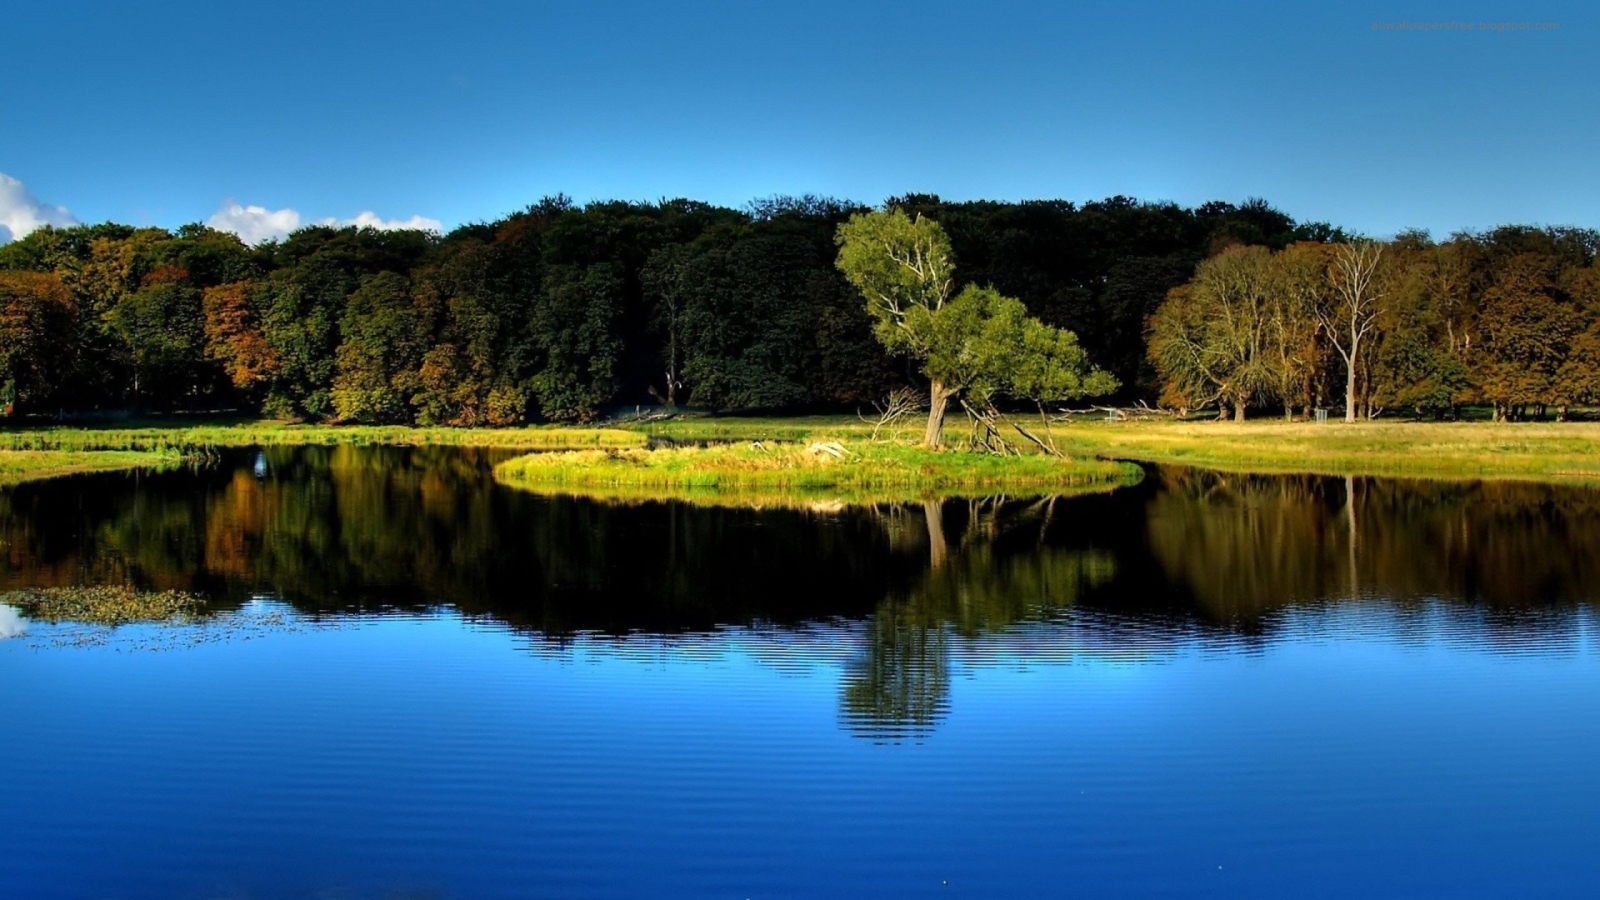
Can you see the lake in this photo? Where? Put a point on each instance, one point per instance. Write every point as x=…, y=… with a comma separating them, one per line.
x=408, y=681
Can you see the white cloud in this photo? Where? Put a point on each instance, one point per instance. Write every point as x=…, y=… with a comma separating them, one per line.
x=369, y=219
x=20, y=213
x=254, y=224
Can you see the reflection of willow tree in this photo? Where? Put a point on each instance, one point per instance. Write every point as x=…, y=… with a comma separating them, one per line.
x=1244, y=545
x=996, y=573
x=899, y=684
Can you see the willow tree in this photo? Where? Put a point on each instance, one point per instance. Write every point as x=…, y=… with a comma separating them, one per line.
x=904, y=268
x=978, y=342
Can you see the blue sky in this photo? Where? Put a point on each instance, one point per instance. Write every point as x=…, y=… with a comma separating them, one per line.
x=162, y=113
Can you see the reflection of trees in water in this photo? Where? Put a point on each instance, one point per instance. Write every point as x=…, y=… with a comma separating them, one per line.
x=1244, y=545
x=898, y=684
x=990, y=568
x=924, y=589
x=359, y=528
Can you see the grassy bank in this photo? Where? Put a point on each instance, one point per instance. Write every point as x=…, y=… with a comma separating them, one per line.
x=1464, y=450
x=28, y=454
x=17, y=466
x=799, y=473
x=1457, y=450
x=189, y=438
x=1566, y=451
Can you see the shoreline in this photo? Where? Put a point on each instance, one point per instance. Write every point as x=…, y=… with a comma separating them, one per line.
x=1567, y=452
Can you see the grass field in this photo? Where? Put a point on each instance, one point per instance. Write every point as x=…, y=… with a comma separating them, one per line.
x=28, y=454
x=199, y=437
x=1566, y=451
x=788, y=473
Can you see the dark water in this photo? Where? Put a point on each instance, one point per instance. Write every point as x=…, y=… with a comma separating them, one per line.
x=410, y=682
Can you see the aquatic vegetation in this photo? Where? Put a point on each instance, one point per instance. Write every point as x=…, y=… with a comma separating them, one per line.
x=761, y=473
x=103, y=605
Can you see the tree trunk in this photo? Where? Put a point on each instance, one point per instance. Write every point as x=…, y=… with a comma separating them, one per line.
x=1288, y=413
x=1350, y=392
x=1238, y=410
x=938, y=401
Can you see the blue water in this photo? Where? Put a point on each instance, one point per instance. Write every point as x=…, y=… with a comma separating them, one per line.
x=1379, y=743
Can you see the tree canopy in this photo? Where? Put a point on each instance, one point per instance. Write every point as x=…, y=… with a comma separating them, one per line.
x=563, y=312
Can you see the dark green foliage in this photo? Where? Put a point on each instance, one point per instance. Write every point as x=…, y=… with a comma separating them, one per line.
x=381, y=350
x=563, y=312
x=575, y=328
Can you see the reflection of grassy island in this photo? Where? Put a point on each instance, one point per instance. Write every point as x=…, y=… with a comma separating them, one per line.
x=852, y=471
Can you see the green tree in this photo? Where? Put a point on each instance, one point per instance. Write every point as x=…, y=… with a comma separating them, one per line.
x=979, y=340
x=161, y=327
x=380, y=352
x=905, y=269
x=575, y=322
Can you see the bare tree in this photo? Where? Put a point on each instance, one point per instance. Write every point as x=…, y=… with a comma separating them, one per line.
x=1352, y=313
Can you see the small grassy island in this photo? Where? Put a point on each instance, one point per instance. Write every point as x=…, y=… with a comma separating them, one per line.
x=759, y=471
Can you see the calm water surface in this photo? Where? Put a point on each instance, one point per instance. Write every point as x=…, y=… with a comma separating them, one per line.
x=410, y=682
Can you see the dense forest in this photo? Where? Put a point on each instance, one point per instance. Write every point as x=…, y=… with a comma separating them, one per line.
x=563, y=312
x=1509, y=319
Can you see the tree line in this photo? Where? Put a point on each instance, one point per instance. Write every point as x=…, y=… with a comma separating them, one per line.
x=1509, y=319
x=561, y=312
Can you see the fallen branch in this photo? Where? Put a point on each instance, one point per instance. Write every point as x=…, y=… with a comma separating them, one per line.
x=901, y=402
x=1140, y=410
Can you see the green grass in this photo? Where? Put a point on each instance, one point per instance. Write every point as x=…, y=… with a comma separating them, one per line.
x=17, y=466
x=1453, y=450
x=797, y=474
x=192, y=438
x=784, y=428
x=29, y=454
x=1548, y=451
x=1459, y=450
